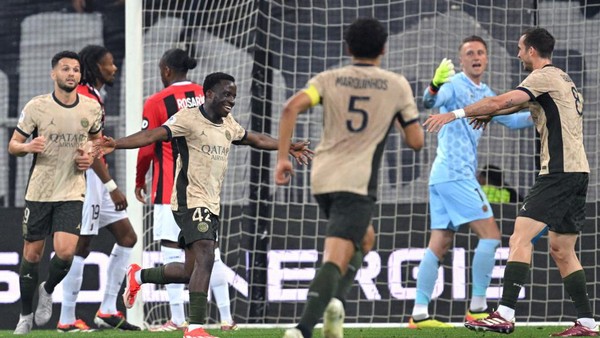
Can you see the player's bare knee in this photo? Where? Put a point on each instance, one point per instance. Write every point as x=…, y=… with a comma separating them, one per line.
x=128, y=241
x=83, y=246
x=65, y=254
x=32, y=257
x=518, y=241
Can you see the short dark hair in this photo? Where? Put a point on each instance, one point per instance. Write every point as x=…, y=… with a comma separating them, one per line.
x=178, y=60
x=541, y=40
x=473, y=38
x=64, y=54
x=211, y=80
x=366, y=38
x=90, y=56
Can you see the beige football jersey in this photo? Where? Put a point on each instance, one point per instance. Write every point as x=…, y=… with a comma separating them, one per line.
x=360, y=104
x=557, y=111
x=203, y=149
x=54, y=175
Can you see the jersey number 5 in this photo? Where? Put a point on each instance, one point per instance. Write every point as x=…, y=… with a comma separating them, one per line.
x=363, y=113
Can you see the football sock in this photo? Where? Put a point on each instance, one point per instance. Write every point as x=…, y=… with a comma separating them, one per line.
x=515, y=276
x=57, y=271
x=28, y=281
x=174, y=290
x=346, y=281
x=420, y=311
x=322, y=288
x=153, y=275
x=197, y=307
x=220, y=289
x=117, y=268
x=483, y=264
x=478, y=304
x=506, y=312
x=71, y=287
x=426, y=278
x=575, y=284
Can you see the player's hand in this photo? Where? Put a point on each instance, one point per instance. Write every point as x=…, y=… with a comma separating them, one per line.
x=36, y=145
x=119, y=199
x=301, y=152
x=435, y=122
x=104, y=145
x=140, y=194
x=83, y=158
x=480, y=122
x=443, y=73
x=283, y=172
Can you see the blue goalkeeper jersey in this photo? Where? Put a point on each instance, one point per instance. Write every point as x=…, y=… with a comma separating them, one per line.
x=456, y=156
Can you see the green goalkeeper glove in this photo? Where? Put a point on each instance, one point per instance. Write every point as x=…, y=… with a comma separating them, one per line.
x=443, y=73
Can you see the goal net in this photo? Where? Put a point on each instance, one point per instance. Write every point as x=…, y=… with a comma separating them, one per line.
x=272, y=237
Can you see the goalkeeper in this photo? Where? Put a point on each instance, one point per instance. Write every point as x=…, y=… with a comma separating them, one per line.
x=455, y=196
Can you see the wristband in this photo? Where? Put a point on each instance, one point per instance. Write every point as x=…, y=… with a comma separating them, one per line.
x=110, y=186
x=459, y=113
x=433, y=89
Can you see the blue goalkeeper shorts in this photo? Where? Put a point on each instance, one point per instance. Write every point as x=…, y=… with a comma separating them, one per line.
x=455, y=203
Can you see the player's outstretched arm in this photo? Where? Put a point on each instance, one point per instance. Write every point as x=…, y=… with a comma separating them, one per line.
x=493, y=105
x=299, y=150
x=142, y=138
x=298, y=103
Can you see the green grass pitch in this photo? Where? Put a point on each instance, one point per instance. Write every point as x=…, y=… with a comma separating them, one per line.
x=525, y=332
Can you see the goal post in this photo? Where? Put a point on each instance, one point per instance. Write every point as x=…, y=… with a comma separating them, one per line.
x=134, y=107
x=272, y=237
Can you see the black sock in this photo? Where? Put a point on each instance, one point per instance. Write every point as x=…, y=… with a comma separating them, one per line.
x=57, y=271
x=576, y=287
x=28, y=281
x=153, y=275
x=346, y=282
x=515, y=276
x=322, y=288
x=198, y=307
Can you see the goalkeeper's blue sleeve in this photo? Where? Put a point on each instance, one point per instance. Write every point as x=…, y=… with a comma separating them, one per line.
x=518, y=120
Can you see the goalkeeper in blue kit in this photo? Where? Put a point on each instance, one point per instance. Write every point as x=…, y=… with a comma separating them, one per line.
x=455, y=196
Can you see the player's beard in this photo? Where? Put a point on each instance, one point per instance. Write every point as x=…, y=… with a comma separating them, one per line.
x=109, y=83
x=66, y=87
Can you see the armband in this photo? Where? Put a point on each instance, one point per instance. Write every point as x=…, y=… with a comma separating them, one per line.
x=433, y=89
x=459, y=113
x=110, y=186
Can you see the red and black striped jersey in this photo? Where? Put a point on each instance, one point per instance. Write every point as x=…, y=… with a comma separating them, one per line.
x=157, y=110
x=91, y=92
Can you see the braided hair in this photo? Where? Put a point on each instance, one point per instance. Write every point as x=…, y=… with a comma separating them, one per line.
x=178, y=60
x=89, y=57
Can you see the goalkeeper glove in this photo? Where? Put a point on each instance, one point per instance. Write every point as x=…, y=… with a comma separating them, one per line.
x=443, y=73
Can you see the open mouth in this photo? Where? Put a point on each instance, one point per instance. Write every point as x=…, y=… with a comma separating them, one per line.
x=476, y=66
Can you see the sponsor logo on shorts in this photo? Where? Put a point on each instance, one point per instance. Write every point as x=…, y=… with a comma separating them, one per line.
x=203, y=227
